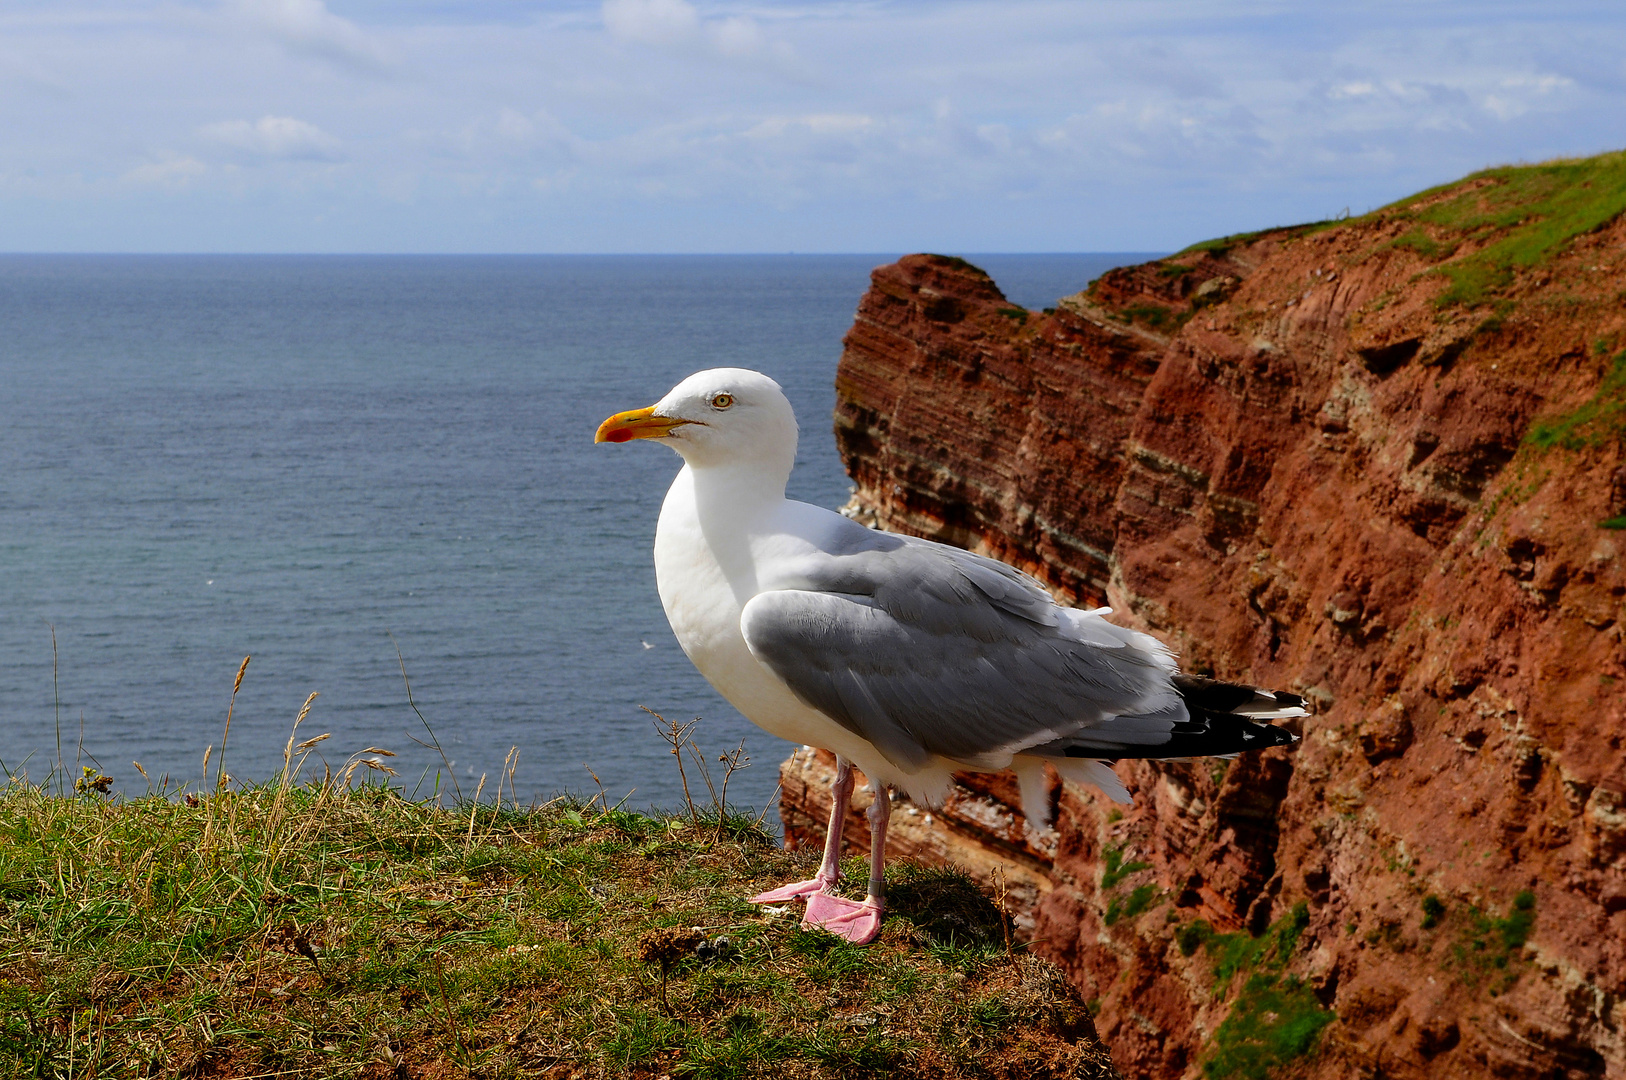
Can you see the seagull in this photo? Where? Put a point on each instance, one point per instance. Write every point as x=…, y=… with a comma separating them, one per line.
x=908, y=659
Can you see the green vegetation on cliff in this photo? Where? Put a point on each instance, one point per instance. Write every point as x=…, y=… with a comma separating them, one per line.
x=1599, y=421
x=1275, y=1018
x=1486, y=945
x=1511, y=218
x=1485, y=227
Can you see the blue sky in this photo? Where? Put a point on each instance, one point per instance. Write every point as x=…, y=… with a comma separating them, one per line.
x=699, y=126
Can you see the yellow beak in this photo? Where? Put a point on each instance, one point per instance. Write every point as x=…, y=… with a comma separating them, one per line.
x=636, y=424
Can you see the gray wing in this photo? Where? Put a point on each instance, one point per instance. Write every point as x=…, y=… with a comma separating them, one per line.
x=925, y=649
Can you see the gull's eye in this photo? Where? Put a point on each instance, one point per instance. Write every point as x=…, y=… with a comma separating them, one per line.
x=722, y=401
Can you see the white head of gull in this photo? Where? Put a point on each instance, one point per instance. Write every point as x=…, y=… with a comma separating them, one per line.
x=909, y=659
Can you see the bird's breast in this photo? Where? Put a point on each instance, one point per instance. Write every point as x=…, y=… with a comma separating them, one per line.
x=704, y=585
x=703, y=601
x=699, y=604
x=695, y=590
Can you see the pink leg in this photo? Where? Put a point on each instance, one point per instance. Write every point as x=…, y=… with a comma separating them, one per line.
x=829, y=874
x=858, y=921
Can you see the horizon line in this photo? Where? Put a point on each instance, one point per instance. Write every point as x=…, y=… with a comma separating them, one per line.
x=542, y=254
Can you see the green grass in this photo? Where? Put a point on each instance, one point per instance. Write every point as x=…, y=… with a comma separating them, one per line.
x=1116, y=869
x=328, y=930
x=1192, y=936
x=1113, y=872
x=1222, y=244
x=1219, y=246
x=1523, y=217
x=1274, y=1021
x=1515, y=217
x=1419, y=241
x=1596, y=423
x=1164, y=320
x=1137, y=902
x=1433, y=911
x=1239, y=952
x=1489, y=946
x=1514, y=930
x=957, y=263
x=1275, y=1018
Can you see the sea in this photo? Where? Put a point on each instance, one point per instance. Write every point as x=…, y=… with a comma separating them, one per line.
x=375, y=476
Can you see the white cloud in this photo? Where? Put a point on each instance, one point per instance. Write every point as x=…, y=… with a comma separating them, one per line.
x=307, y=26
x=652, y=22
x=280, y=138
x=1520, y=94
x=1540, y=84
x=515, y=125
x=170, y=172
x=677, y=25
x=737, y=36
x=775, y=127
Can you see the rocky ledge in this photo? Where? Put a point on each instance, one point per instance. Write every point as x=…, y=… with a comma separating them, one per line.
x=1378, y=462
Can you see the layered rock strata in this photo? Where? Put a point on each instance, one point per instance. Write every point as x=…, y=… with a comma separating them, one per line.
x=1378, y=463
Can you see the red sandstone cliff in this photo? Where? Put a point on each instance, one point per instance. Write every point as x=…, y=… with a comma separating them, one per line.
x=1368, y=461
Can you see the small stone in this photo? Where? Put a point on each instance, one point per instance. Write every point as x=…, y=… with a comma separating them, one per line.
x=1385, y=734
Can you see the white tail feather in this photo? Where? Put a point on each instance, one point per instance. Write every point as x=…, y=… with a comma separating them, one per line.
x=1094, y=773
x=1035, y=792
x=1271, y=711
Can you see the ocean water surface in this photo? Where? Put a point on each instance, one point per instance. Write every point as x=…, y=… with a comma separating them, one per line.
x=314, y=460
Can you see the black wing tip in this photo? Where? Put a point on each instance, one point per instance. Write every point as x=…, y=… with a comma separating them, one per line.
x=1240, y=734
x=1204, y=735
x=1271, y=736
x=1213, y=695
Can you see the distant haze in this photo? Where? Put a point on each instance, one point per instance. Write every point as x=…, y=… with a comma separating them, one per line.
x=680, y=126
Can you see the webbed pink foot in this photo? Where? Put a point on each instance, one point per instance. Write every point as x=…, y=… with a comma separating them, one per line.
x=789, y=892
x=859, y=921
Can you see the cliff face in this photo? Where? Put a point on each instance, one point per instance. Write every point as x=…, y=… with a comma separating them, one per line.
x=1376, y=462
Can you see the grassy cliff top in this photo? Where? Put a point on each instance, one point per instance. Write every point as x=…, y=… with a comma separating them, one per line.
x=1483, y=229
x=332, y=930
x=1511, y=218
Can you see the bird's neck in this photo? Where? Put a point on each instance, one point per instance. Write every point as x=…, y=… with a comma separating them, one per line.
x=738, y=491
x=713, y=516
